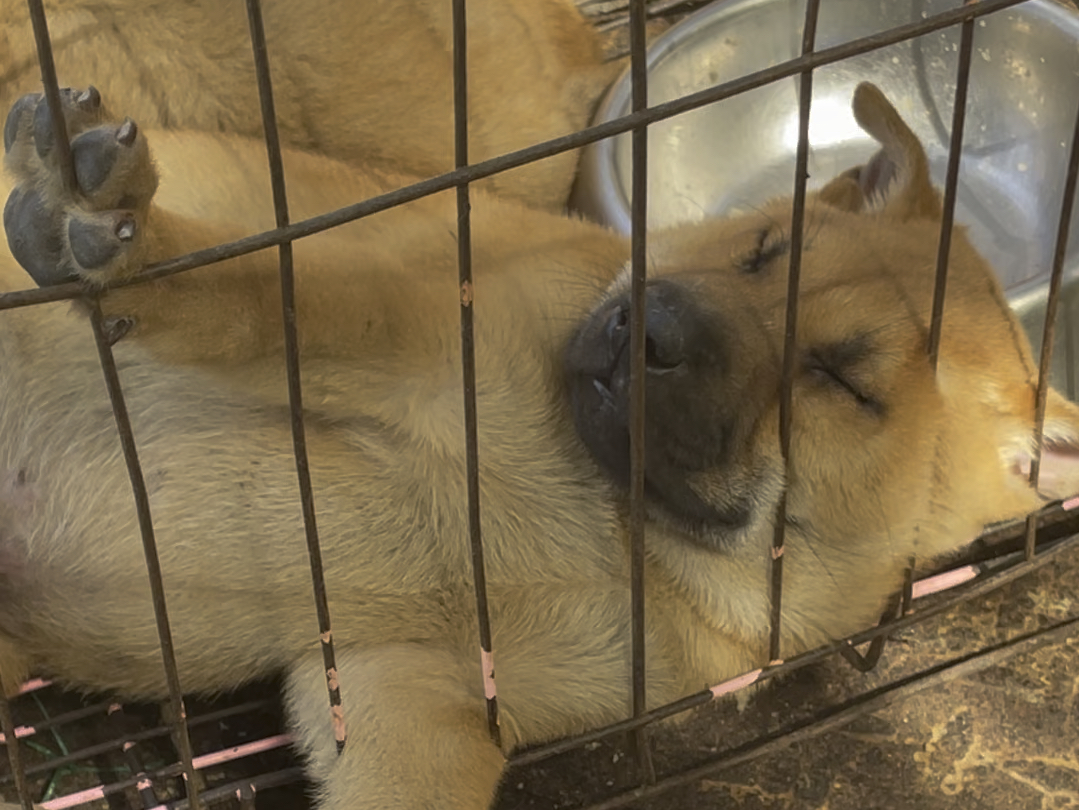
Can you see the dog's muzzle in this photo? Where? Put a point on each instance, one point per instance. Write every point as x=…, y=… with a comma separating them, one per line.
x=687, y=429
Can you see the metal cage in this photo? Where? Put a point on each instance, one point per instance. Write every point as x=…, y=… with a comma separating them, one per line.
x=1041, y=539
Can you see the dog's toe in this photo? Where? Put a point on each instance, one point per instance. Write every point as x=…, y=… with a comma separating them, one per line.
x=97, y=240
x=81, y=108
x=18, y=118
x=34, y=237
x=108, y=163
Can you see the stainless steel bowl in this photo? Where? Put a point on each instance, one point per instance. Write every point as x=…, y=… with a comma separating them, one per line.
x=1022, y=100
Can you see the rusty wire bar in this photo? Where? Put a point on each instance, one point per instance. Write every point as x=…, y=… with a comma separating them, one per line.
x=252, y=784
x=637, y=340
x=149, y=545
x=790, y=334
x=468, y=363
x=14, y=752
x=52, y=94
x=274, y=779
x=292, y=364
x=511, y=160
x=951, y=185
x=118, y=743
x=1056, y=276
x=123, y=424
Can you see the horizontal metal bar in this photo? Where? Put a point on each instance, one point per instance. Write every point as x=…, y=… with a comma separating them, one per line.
x=118, y=743
x=839, y=716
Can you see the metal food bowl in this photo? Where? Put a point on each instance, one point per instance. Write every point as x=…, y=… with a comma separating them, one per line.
x=1021, y=108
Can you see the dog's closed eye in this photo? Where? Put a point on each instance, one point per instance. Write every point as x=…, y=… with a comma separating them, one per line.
x=771, y=244
x=836, y=364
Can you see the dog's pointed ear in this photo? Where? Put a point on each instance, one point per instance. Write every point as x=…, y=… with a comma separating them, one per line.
x=895, y=182
x=1058, y=475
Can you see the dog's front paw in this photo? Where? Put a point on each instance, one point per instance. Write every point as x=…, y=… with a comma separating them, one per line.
x=95, y=231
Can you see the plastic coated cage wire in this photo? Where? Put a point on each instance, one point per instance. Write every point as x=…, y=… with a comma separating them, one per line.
x=141, y=758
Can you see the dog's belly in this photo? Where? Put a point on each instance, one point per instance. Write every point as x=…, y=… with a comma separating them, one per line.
x=223, y=494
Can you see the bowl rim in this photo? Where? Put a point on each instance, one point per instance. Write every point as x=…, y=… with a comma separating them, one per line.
x=598, y=165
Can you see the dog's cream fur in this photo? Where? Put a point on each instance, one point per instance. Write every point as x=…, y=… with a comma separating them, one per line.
x=889, y=461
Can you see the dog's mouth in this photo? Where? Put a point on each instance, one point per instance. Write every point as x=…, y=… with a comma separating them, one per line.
x=686, y=438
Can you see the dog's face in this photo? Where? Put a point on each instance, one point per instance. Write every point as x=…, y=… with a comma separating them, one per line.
x=888, y=458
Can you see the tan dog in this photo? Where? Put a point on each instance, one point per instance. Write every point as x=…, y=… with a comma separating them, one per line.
x=889, y=460
x=363, y=81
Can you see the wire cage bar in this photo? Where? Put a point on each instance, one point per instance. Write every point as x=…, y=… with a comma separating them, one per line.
x=1043, y=538
x=468, y=363
x=638, y=280
x=292, y=367
x=790, y=330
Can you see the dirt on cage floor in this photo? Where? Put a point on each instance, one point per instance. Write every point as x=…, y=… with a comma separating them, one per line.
x=1002, y=736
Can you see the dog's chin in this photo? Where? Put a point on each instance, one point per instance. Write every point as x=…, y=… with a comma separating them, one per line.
x=670, y=499
x=711, y=528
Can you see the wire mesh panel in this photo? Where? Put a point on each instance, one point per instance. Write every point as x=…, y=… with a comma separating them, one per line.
x=126, y=777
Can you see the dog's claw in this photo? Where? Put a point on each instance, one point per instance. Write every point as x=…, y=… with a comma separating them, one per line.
x=125, y=229
x=127, y=132
x=89, y=100
x=116, y=328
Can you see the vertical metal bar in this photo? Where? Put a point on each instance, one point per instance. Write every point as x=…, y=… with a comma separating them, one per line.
x=149, y=545
x=637, y=342
x=52, y=94
x=468, y=362
x=790, y=350
x=14, y=752
x=951, y=183
x=1056, y=276
x=292, y=365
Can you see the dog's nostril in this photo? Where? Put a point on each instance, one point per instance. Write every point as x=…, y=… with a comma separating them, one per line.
x=617, y=323
x=617, y=330
x=665, y=343
x=660, y=356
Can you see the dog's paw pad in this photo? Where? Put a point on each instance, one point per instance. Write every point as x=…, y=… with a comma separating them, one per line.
x=97, y=239
x=57, y=233
x=112, y=166
x=34, y=237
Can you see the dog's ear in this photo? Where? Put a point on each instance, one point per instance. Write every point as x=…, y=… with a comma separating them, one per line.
x=895, y=182
x=1058, y=475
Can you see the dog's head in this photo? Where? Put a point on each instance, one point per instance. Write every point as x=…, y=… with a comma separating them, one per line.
x=888, y=459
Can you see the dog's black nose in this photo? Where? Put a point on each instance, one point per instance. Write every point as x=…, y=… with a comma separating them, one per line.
x=670, y=315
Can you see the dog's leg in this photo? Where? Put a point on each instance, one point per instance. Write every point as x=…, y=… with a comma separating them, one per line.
x=417, y=733
x=108, y=228
x=385, y=291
